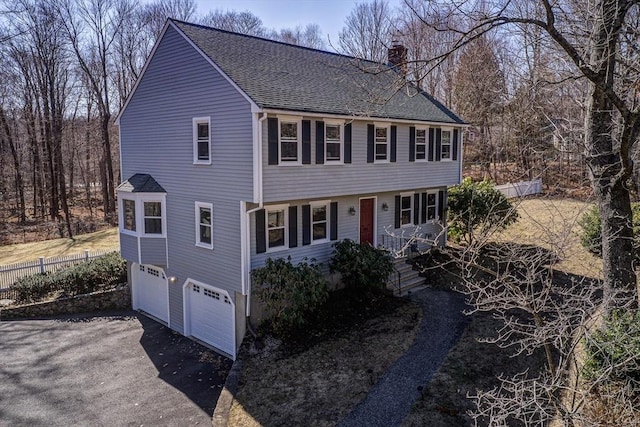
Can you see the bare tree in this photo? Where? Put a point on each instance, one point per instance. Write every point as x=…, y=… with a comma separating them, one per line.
x=367, y=31
x=238, y=22
x=308, y=36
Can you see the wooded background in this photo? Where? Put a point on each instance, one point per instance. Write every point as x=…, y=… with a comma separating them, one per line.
x=66, y=68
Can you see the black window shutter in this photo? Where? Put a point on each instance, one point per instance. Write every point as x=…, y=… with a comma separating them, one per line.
x=423, y=209
x=333, y=207
x=306, y=224
x=306, y=142
x=293, y=226
x=441, y=205
x=412, y=144
x=431, y=143
x=416, y=208
x=454, y=155
x=319, y=143
x=370, y=143
x=394, y=143
x=397, y=219
x=438, y=144
x=347, y=143
x=272, y=131
x=261, y=238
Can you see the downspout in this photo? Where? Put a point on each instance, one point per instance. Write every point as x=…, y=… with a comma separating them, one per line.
x=258, y=194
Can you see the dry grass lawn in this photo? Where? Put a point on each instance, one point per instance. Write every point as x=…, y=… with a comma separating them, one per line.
x=24, y=252
x=320, y=385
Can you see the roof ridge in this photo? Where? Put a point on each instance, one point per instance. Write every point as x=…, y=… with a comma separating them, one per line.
x=251, y=36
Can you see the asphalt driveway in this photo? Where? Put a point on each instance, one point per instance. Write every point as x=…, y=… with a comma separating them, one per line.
x=114, y=370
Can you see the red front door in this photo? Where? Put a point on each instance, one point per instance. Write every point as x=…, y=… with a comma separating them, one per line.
x=366, y=220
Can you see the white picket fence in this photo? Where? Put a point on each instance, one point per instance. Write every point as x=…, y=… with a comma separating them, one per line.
x=10, y=273
x=519, y=189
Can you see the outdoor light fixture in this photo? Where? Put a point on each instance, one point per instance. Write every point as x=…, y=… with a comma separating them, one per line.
x=385, y=206
x=352, y=210
x=172, y=279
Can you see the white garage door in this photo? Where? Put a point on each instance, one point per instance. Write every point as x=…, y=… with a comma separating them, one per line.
x=210, y=316
x=151, y=291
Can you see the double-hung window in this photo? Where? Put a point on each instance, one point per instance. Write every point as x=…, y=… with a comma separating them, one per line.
x=276, y=226
x=129, y=215
x=152, y=217
x=290, y=140
x=431, y=206
x=381, y=141
x=421, y=144
x=204, y=225
x=319, y=221
x=202, y=140
x=446, y=145
x=406, y=208
x=334, y=138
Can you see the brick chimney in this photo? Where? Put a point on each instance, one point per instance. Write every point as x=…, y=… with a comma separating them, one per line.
x=397, y=57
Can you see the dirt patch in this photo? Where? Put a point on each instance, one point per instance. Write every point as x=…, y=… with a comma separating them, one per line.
x=318, y=385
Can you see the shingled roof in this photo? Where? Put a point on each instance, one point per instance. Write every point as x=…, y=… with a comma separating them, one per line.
x=141, y=183
x=281, y=76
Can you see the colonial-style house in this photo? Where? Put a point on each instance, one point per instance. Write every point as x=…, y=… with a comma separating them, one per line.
x=235, y=149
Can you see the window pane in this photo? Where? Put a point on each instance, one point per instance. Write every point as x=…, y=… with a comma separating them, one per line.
x=333, y=151
x=152, y=209
x=406, y=202
x=288, y=130
x=431, y=199
x=406, y=217
x=320, y=214
x=446, y=137
x=431, y=212
x=381, y=151
x=420, y=134
x=129, y=215
x=320, y=231
x=420, y=152
x=205, y=234
x=205, y=216
x=203, y=131
x=276, y=219
x=153, y=226
x=381, y=134
x=446, y=151
x=276, y=238
x=203, y=150
x=289, y=151
x=333, y=133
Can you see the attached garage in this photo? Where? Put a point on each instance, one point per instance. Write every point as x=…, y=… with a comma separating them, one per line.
x=150, y=291
x=209, y=315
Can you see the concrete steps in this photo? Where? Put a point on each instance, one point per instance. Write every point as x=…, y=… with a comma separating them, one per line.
x=409, y=278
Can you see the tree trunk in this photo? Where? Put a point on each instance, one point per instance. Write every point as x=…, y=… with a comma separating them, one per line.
x=109, y=193
x=19, y=183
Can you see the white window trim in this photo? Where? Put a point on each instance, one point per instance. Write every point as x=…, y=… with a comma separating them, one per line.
x=267, y=209
x=333, y=122
x=327, y=205
x=450, y=130
x=435, y=218
x=209, y=206
x=139, y=199
x=426, y=144
x=121, y=216
x=375, y=144
x=410, y=195
x=298, y=121
x=195, y=121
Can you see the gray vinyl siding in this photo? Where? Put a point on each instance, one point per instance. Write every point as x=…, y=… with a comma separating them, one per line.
x=129, y=247
x=348, y=228
x=156, y=139
x=153, y=250
x=359, y=177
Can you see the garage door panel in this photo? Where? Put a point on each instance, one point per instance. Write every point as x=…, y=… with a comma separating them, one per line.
x=152, y=292
x=211, y=316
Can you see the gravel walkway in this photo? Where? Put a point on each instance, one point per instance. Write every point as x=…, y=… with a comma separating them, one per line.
x=390, y=400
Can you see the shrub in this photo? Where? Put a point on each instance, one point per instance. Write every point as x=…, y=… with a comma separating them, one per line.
x=591, y=227
x=100, y=273
x=363, y=267
x=476, y=207
x=614, y=351
x=291, y=293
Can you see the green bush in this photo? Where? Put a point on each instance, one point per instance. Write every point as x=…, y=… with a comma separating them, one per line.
x=614, y=351
x=475, y=208
x=100, y=273
x=292, y=294
x=363, y=267
x=591, y=227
